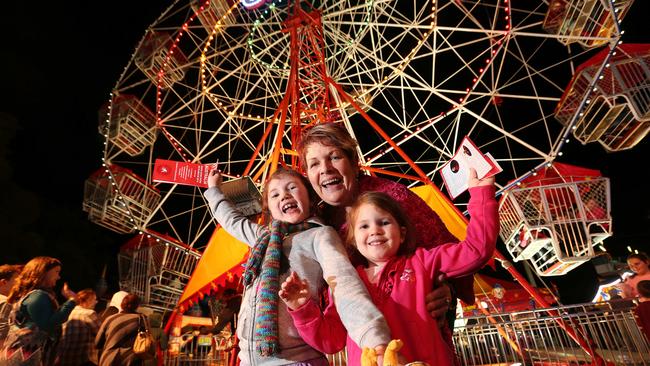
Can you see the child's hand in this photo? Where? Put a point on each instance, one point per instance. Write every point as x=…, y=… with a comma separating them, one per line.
x=294, y=291
x=214, y=177
x=67, y=293
x=475, y=182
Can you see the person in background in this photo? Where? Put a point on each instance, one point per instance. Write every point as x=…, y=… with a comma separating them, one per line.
x=188, y=340
x=642, y=311
x=197, y=344
x=204, y=342
x=36, y=315
x=114, y=307
x=8, y=275
x=228, y=314
x=117, y=334
x=594, y=211
x=77, y=346
x=640, y=265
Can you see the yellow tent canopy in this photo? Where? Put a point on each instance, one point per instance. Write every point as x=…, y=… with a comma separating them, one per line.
x=221, y=262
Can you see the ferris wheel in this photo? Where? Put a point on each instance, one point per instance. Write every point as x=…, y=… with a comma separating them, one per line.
x=234, y=83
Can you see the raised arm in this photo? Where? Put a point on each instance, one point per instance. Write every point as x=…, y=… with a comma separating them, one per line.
x=41, y=311
x=472, y=253
x=227, y=215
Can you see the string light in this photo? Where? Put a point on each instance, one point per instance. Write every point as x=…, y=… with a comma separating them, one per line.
x=169, y=59
x=481, y=72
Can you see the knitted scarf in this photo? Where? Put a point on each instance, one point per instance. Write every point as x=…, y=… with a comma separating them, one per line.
x=266, y=255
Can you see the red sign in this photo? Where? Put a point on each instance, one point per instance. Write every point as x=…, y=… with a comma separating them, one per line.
x=180, y=172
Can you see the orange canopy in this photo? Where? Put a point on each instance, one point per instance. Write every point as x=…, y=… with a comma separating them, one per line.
x=220, y=264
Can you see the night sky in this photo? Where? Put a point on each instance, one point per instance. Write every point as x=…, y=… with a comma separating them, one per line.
x=59, y=62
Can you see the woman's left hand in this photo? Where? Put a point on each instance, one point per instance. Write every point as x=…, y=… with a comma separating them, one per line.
x=438, y=301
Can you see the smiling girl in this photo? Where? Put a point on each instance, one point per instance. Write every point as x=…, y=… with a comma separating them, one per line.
x=295, y=240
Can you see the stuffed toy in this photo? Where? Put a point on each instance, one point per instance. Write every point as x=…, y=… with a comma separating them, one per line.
x=391, y=356
x=368, y=357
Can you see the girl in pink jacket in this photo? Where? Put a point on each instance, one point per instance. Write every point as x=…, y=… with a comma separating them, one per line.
x=398, y=275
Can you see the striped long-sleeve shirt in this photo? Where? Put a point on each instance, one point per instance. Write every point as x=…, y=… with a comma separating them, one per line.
x=115, y=340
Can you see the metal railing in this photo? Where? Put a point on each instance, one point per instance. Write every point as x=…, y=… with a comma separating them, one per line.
x=218, y=353
x=534, y=337
x=523, y=338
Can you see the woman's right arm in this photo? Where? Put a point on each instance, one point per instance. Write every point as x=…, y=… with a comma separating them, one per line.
x=627, y=292
x=439, y=299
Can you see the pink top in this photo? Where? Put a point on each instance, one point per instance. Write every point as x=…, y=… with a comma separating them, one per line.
x=402, y=286
x=429, y=229
x=629, y=286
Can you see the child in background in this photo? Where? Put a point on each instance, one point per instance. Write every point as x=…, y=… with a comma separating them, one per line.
x=642, y=311
x=77, y=345
x=297, y=241
x=398, y=274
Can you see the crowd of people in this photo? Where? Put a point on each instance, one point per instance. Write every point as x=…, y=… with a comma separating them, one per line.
x=341, y=259
x=35, y=330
